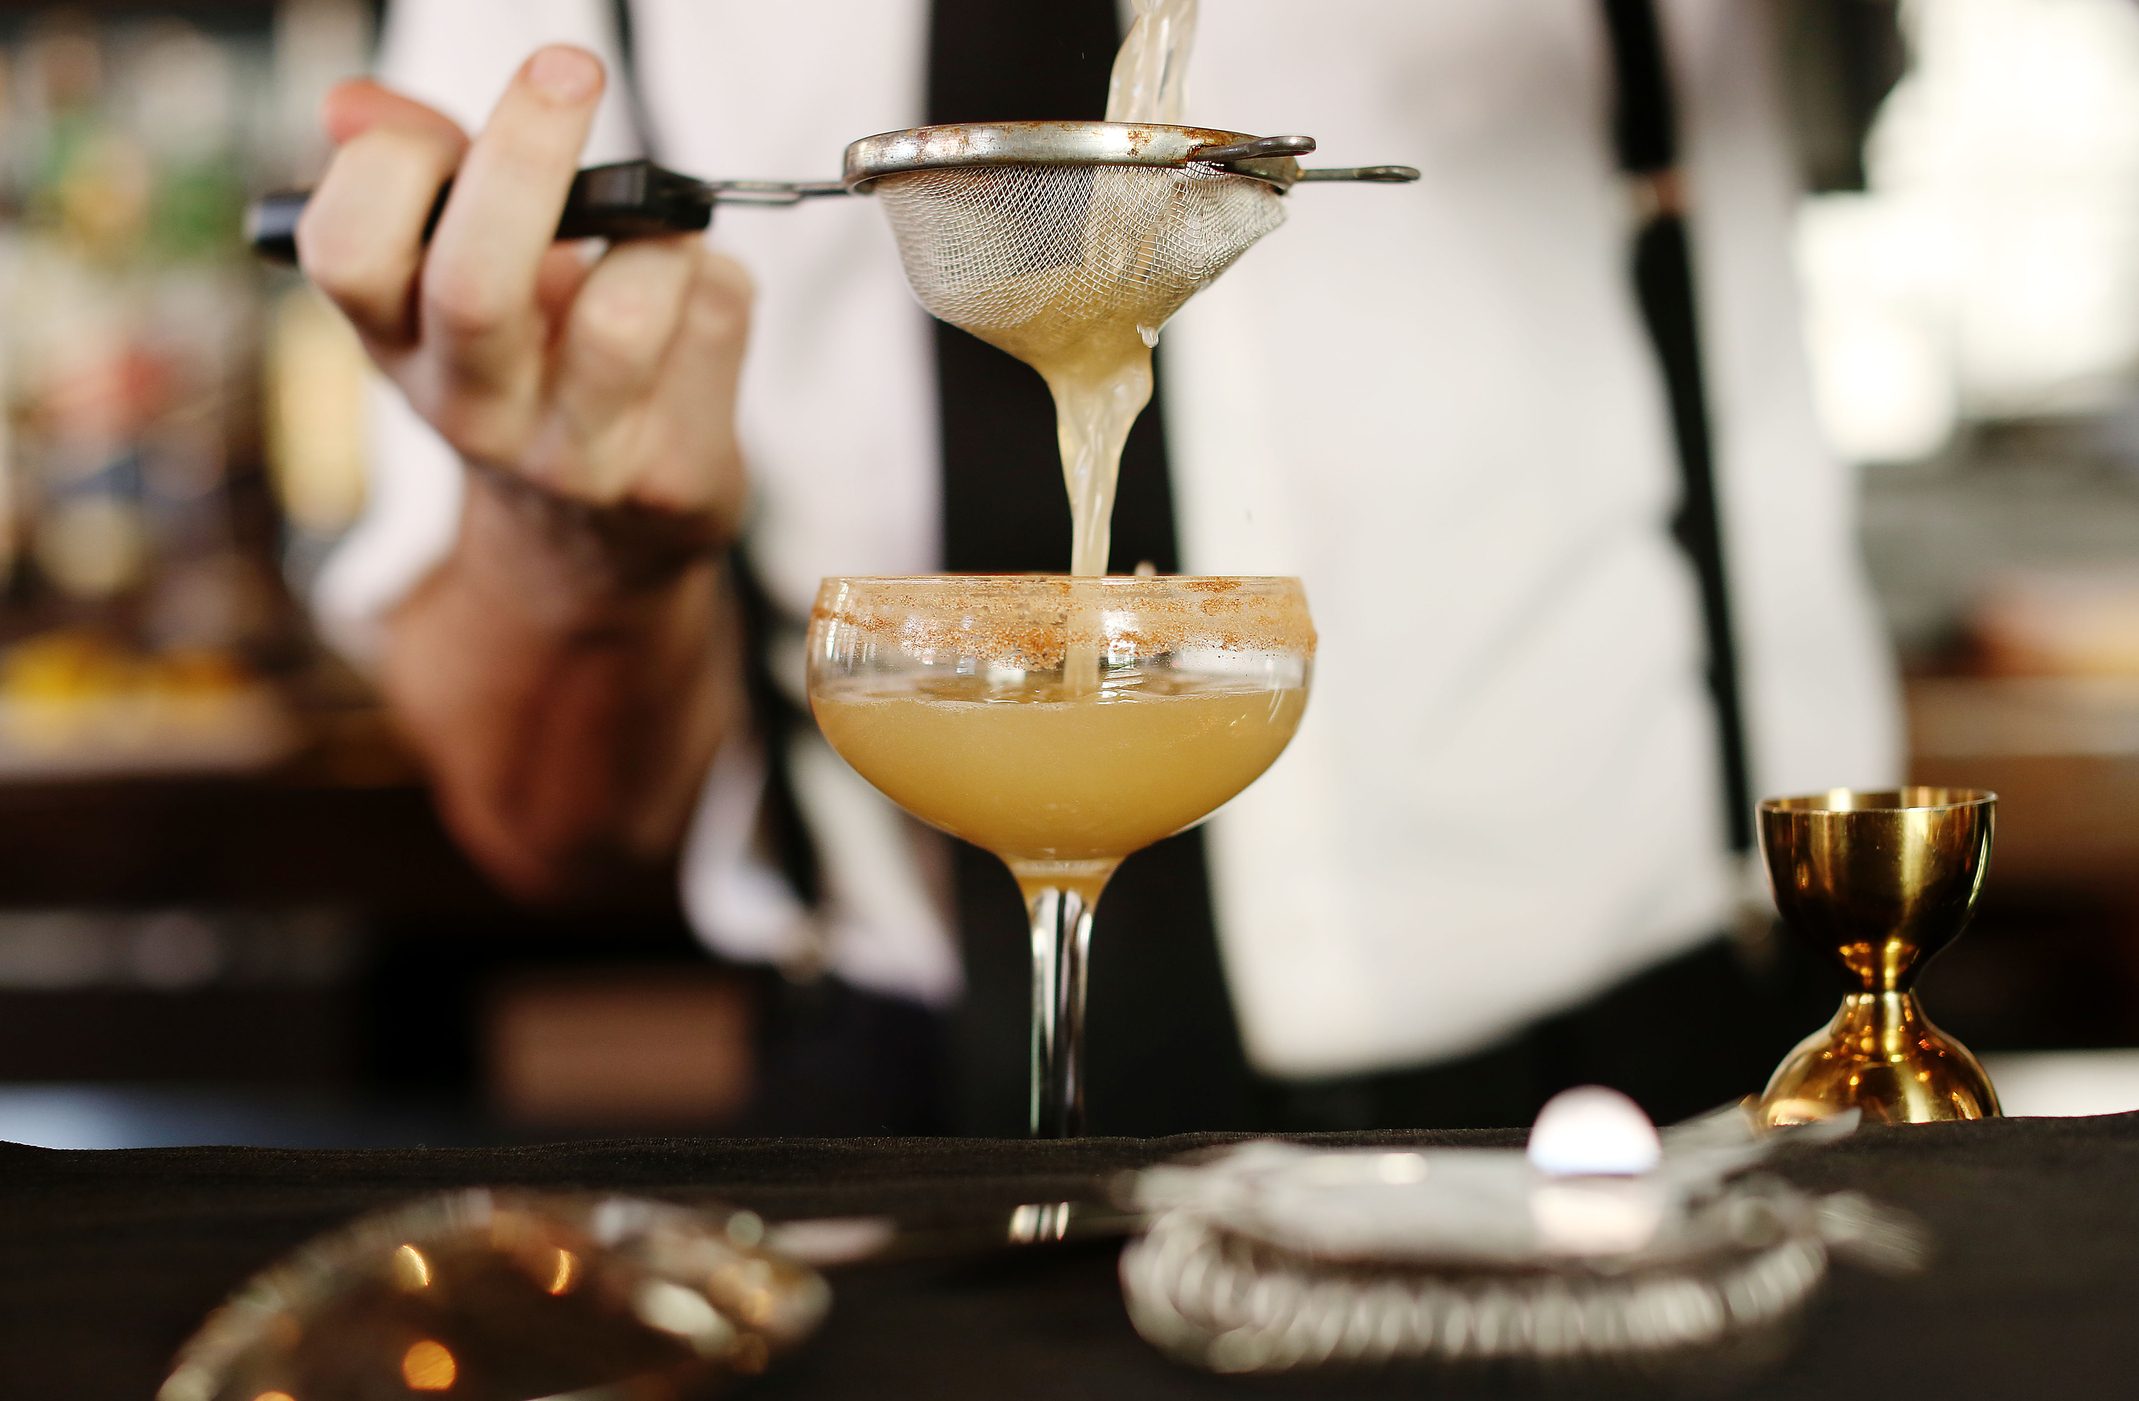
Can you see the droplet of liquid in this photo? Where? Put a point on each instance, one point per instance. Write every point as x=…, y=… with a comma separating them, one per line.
x=1150, y=335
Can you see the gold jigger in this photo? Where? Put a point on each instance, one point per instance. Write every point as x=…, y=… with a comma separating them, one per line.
x=1882, y=881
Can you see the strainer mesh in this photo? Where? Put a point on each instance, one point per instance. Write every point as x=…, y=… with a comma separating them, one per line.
x=1034, y=257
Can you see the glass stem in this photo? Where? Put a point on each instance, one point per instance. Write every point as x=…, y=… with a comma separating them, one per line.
x=1061, y=939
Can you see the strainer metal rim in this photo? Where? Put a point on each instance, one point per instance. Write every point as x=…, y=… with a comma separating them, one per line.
x=981, y=144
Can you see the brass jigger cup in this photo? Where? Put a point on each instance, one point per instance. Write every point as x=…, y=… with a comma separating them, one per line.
x=1881, y=881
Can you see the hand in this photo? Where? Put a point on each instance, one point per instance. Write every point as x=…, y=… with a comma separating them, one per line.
x=602, y=390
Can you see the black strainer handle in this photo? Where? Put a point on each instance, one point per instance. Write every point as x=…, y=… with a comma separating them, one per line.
x=631, y=199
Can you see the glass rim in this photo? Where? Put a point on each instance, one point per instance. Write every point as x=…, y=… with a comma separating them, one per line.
x=1038, y=577
x=1030, y=615
x=1845, y=802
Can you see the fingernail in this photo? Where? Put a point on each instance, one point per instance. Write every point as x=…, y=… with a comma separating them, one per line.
x=565, y=73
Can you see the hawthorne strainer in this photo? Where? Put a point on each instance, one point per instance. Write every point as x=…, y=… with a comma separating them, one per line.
x=1024, y=233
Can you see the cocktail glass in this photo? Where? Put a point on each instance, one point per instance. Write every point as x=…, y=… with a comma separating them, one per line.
x=1060, y=723
x=1879, y=882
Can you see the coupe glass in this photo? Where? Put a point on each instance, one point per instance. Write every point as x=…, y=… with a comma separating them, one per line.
x=1060, y=723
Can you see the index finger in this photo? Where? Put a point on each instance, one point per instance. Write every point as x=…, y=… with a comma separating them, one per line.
x=361, y=237
x=479, y=282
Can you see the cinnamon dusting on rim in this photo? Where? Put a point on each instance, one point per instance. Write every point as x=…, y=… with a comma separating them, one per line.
x=1033, y=621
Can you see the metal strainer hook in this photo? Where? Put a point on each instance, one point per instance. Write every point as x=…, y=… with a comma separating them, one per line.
x=1263, y=147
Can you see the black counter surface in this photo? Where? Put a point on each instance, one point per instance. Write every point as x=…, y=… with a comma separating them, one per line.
x=109, y=1259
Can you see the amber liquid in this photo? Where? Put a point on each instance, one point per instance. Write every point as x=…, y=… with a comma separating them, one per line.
x=1046, y=777
x=1100, y=383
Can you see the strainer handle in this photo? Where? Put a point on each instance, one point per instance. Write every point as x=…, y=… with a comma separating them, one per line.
x=1364, y=174
x=630, y=199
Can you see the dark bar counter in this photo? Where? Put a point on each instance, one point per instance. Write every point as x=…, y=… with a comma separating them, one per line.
x=109, y=1259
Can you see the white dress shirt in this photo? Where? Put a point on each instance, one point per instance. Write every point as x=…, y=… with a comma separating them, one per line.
x=1435, y=404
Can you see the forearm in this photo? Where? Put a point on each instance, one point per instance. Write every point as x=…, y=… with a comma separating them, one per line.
x=565, y=675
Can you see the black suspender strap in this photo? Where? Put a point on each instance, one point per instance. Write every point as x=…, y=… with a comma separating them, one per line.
x=1157, y=992
x=627, y=82
x=1644, y=129
x=1004, y=509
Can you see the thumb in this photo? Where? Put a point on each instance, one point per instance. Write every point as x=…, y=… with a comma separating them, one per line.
x=355, y=106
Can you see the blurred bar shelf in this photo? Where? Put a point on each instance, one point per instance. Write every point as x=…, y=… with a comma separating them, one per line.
x=2062, y=754
x=341, y=818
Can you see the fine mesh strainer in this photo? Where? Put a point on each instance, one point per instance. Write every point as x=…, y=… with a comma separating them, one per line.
x=997, y=223
x=1029, y=234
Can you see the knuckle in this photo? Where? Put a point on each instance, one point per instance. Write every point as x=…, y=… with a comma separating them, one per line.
x=435, y=149
x=526, y=150
x=728, y=275
x=719, y=322
x=366, y=282
x=400, y=158
x=726, y=282
x=475, y=427
x=324, y=251
x=397, y=146
x=721, y=302
x=462, y=303
x=618, y=325
x=331, y=250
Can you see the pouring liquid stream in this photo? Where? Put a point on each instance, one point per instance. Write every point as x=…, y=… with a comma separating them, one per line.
x=1096, y=359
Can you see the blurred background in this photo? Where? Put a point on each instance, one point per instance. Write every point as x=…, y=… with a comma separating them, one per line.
x=228, y=913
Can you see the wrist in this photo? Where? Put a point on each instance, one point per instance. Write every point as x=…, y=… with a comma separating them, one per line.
x=571, y=562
